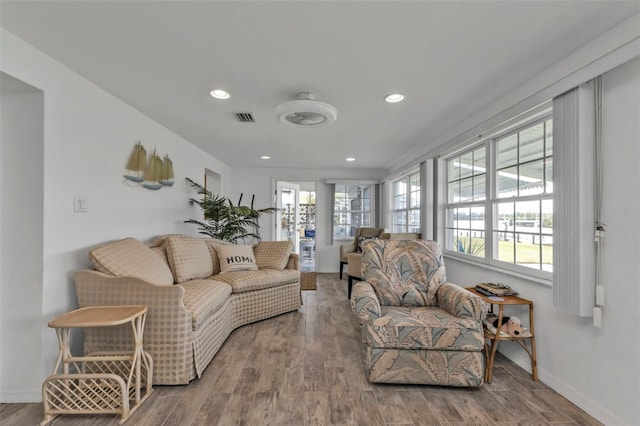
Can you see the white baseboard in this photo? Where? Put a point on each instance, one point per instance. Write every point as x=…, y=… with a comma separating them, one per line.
x=591, y=407
x=21, y=396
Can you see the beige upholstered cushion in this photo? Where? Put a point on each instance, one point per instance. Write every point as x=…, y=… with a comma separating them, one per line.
x=242, y=281
x=131, y=258
x=354, y=265
x=160, y=240
x=189, y=258
x=236, y=258
x=212, y=243
x=162, y=252
x=204, y=297
x=272, y=254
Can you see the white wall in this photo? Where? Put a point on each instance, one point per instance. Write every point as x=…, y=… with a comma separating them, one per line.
x=88, y=136
x=260, y=181
x=596, y=368
x=21, y=234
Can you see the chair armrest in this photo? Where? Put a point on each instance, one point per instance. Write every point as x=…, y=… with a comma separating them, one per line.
x=346, y=249
x=167, y=317
x=354, y=267
x=460, y=302
x=292, y=263
x=364, y=302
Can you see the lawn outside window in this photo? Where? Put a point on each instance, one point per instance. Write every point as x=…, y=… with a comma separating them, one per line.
x=499, y=199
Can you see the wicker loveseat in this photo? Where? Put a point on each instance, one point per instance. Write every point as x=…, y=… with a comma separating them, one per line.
x=417, y=328
x=192, y=306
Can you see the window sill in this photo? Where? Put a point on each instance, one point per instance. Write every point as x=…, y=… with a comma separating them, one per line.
x=481, y=264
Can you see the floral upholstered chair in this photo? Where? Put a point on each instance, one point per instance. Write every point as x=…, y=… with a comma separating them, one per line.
x=417, y=328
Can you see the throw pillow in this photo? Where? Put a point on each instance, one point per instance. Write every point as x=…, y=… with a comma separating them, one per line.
x=212, y=243
x=131, y=258
x=189, y=258
x=236, y=258
x=362, y=240
x=272, y=254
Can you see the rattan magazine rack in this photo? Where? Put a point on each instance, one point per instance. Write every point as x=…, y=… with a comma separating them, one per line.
x=100, y=382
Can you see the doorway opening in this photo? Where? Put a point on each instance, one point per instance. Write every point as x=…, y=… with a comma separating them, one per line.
x=212, y=182
x=296, y=220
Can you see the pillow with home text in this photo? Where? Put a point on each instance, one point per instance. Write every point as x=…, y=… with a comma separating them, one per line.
x=236, y=258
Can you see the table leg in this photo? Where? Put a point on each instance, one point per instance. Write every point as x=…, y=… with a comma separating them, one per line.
x=534, y=362
x=136, y=325
x=63, y=350
x=494, y=347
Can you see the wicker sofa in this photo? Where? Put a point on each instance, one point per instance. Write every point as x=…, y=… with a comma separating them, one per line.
x=193, y=306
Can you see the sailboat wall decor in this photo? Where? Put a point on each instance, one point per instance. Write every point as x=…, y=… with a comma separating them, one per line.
x=137, y=164
x=167, y=172
x=154, y=175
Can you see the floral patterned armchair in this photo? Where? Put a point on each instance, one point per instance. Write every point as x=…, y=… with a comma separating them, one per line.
x=417, y=328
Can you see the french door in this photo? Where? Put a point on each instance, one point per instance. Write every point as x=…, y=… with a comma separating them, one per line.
x=287, y=201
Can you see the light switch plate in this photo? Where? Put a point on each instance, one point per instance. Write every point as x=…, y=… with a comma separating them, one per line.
x=80, y=204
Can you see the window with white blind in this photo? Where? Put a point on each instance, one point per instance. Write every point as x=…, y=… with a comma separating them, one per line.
x=499, y=198
x=405, y=212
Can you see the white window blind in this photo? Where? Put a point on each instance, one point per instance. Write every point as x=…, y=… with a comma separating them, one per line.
x=573, y=202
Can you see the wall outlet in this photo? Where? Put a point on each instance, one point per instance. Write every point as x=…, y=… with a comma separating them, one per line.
x=80, y=204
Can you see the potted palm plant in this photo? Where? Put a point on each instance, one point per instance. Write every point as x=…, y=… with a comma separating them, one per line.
x=223, y=219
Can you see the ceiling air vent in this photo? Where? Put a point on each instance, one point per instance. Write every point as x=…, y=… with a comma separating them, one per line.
x=245, y=117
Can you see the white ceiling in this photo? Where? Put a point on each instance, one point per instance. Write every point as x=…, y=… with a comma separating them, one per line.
x=449, y=58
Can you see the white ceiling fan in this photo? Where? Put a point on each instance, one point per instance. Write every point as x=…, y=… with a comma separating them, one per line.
x=306, y=111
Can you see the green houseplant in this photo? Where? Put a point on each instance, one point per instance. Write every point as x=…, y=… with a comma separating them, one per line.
x=223, y=219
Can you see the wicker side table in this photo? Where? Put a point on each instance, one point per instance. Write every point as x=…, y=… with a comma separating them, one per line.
x=100, y=382
x=495, y=337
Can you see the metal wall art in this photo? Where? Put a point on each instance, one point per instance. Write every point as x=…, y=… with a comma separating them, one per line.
x=154, y=174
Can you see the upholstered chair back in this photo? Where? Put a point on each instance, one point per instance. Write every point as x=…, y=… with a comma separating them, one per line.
x=403, y=272
x=364, y=234
x=368, y=232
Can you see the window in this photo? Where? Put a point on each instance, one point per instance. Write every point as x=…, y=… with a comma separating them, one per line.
x=307, y=216
x=405, y=212
x=499, y=202
x=352, y=208
x=524, y=189
x=466, y=189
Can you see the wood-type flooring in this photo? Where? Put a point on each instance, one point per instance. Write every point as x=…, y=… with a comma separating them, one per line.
x=306, y=368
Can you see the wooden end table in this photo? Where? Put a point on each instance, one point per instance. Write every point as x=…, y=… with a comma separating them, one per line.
x=498, y=336
x=100, y=382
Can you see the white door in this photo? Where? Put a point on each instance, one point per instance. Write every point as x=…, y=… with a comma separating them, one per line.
x=287, y=201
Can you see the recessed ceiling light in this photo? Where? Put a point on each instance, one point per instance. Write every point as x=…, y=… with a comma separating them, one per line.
x=265, y=157
x=350, y=159
x=220, y=94
x=394, y=97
